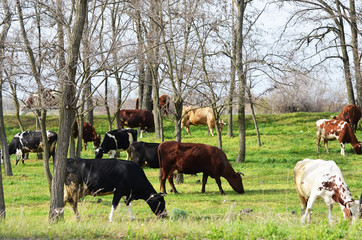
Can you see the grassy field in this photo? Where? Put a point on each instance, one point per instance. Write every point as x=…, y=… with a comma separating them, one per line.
x=268, y=183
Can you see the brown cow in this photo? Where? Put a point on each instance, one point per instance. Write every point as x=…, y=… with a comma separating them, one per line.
x=329, y=130
x=199, y=116
x=89, y=134
x=191, y=158
x=135, y=118
x=350, y=114
x=164, y=104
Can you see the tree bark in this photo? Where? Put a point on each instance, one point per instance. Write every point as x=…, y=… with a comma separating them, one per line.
x=241, y=5
x=355, y=51
x=232, y=75
x=67, y=113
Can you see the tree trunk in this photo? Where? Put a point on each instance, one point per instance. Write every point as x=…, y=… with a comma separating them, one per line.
x=5, y=152
x=242, y=80
x=6, y=22
x=345, y=57
x=178, y=102
x=232, y=75
x=355, y=51
x=141, y=59
x=254, y=117
x=67, y=114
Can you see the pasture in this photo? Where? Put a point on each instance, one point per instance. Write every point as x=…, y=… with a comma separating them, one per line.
x=268, y=183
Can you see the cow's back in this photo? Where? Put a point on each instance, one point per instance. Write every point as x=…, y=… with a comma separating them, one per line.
x=309, y=174
x=191, y=158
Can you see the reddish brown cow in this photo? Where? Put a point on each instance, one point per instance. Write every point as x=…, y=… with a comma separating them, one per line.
x=329, y=130
x=191, y=158
x=350, y=114
x=135, y=118
x=164, y=104
x=89, y=134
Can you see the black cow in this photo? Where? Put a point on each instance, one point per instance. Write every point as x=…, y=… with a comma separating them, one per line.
x=145, y=154
x=31, y=141
x=115, y=141
x=110, y=176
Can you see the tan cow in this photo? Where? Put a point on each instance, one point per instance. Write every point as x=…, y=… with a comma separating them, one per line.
x=199, y=116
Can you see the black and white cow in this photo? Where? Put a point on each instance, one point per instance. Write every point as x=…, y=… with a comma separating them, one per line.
x=121, y=178
x=145, y=154
x=115, y=141
x=31, y=141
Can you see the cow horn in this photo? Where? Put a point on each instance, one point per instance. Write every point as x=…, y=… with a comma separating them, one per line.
x=240, y=173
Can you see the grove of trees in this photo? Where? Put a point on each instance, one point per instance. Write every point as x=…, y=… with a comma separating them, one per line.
x=202, y=53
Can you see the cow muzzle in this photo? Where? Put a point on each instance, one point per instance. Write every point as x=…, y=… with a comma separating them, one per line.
x=162, y=214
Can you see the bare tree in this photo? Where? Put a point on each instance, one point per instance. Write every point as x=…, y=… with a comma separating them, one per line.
x=5, y=153
x=329, y=33
x=67, y=111
x=35, y=67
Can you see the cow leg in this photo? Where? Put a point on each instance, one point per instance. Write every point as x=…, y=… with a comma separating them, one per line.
x=116, y=198
x=326, y=145
x=85, y=146
x=141, y=132
x=308, y=211
x=204, y=180
x=342, y=150
x=188, y=130
x=112, y=153
x=303, y=203
x=318, y=142
x=211, y=131
x=128, y=205
x=330, y=218
x=218, y=181
x=170, y=180
x=162, y=179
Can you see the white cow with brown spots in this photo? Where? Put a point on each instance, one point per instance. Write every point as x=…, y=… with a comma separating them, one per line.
x=323, y=179
x=329, y=130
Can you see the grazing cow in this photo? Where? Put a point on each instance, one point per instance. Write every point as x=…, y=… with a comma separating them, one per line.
x=145, y=154
x=135, y=118
x=121, y=178
x=191, y=158
x=116, y=141
x=199, y=116
x=89, y=134
x=350, y=114
x=323, y=179
x=50, y=101
x=31, y=141
x=329, y=130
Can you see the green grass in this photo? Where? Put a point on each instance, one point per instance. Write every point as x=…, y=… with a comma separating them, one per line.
x=268, y=183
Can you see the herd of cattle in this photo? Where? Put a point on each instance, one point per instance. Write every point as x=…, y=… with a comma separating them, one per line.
x=126, y=179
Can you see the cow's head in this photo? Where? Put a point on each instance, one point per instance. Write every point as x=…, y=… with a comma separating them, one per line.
x=221, y=124
x=358, y=148
x=236, y=182
x=98, y=152
x=352, y=210
x=157, y=204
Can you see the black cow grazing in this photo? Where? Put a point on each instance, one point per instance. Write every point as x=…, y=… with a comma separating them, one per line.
x=31, y=141
x=116, y=141
x=145, y=154
x=121, y=178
